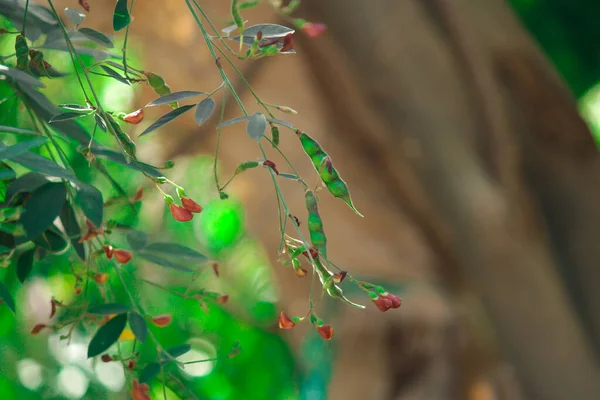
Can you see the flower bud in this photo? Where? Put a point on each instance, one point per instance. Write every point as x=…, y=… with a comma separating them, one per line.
x=77, y=290
x=180, y=214
x=300, y=272
x=106, y=358
x=190, y=205
x=135, y=117
x=285, y=322
x=162, y=320
x=270, y=164
x=287, y=110
x=122, y=256
x=139, y=193
x=340, y=276
x=36, y=329
x=140, y=391
x=385, y=301
x=382, y=303
x=109, y=251
x=326, y=331
x=85, y=5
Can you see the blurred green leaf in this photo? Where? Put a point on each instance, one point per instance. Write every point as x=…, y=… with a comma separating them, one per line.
x=90, y=200
x=6, y=296
x=74, y=16
x=280, y=122
x=107, y=335
x=204, y=110
x=20, y=77
x=138, y=326
x=175, y=351
x=52, y=240
x=149, y=372
x=174, y=97
x=121, y=16
x=66, y=116
x=13, y=129
x=25, y=183
x=162, y=261
x=109, y=309
x=115, y=75
x=11, y=152
x=175, y=250
x=69, y=221
x=25, y=264
x=136, y=239
x=42, y=208
x=232, y=121
x=97, y=37
x=43, y=165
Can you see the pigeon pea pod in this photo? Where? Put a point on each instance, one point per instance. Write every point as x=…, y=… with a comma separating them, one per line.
x=315, y=224
x=22, y=52
x=329, y=175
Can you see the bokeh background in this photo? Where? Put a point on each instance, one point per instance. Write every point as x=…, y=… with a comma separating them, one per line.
x=465, y=130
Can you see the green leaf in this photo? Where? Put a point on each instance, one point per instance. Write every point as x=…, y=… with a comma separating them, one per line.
x=108, y=309
x=115, y=75
x=168, y=117
x=69, y=222
x=25, y=183
x=175, y=250
x=163, y=262
x=107, y=335
x=74, y=16
x=52, y=240
x=137, y=240
x=280, y=122
x=204, y=110
x=43, y=165
x=20, y=77
x=74, y=107
x=12, y=129
x=97, y=37
x=121, y=16
x=288, y=176
x=25, y=264
x=256, y=126
x=10, y=152
x=90, y=200
x=42, y=208
x=175, y=351
x=6, y=296
x=119, y=158
x=138, y=326
x=232, y=121
x=100, y=121
x=269, y=31
x=66, y=116
x=149, y=372
x=174, y=97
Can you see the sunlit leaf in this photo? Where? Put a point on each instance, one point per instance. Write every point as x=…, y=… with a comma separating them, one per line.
x=204, y=110
x=13, y=151
x=174, y=97
x=107, y=335
x=74, y=16
x=138, y=326
x=232, y=121
x=256, y=126
x=25, y=264
x=114, y=74
x=74, y=107
x=121, y=16
x=97, y=37
x=168, y=117
x=149, y=372
x=6, y=296
x=109, y=309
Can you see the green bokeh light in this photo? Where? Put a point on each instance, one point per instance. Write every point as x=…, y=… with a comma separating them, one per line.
x=221, y=224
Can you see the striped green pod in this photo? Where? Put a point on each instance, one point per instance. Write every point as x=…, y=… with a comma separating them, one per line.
x=315, y=224
x=327, y=172
x=22, y=52
x=245, y=166
x=158, y=84
x=275, y=135
x=123, y=138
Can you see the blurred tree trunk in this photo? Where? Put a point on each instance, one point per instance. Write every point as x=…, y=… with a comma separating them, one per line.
x=452, y=107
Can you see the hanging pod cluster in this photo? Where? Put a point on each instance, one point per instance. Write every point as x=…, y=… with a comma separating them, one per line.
x=329, y=175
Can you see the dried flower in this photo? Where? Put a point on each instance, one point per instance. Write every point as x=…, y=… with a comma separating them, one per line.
x=190, y=205
x=285, y=322
x=162, y=320
x=92, y=232
x=215, y=267
x=140, y=391
x=109, y=251
x=106, y=358
x=326, y=331
x=139, y=193
x=288, y=43
x=36, y=329
x=340, y=276
x=135, y=117
x=300, y=272
x=179, y=213
x=313, y=30
x=270, y=164
x=223, y=299
x=101, y=278
x=131, y=364
x=85, y=5
x=313, y=253
x=122, y=256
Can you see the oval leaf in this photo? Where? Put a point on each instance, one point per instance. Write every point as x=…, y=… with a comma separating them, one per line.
x=115, y=75
x=66, y=116
x=162, y=261
x=175, y=250
x=256, y=126
x=168, y=117
x=107, y=335
x=74, y=16
x=175, y=351
x=108, y=309
x=25, y=183
x=137, y=240
x=10, y=152
x=232, y=121
x=7, y=297
x=97, y=37
x=174, y=97
x=268, y=31
x=280, y=122
x=69, y=222
x=90, y=200
x=20, y=76
x=121, y=16
x=149, y=372
x=25, y=264
x=138, y=326
x=52, y=240
x=42, y=208
x=204, y=110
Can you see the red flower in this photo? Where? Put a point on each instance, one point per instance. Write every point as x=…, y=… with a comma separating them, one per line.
x=285, y=322
x=85, y=5
x=340, y=276
x=135, y=117
x=162, y=320
x=36, y=329
x=101, y=278
x=190, y=205
x=271, y=164
x=300, y=272
x=223, y=299
x=326, y=331
x=313, y=30
x=106, y=358
x=313, y=253
x=122, y=256
x=140, y=391
x=180, y=214
x=288, y=43
x=386, y=301
x=92, y=232
x=109, y=251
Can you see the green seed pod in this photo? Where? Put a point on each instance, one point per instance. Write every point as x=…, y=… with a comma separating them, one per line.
x=246, y=165
x=314, y=222
x=275, y=135
x=122, y=137
x=237, y=17
x=22, y=51
x=154, y=80
x=315, y=225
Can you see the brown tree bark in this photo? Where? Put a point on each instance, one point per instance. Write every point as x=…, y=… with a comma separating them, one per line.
x=454, y=108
